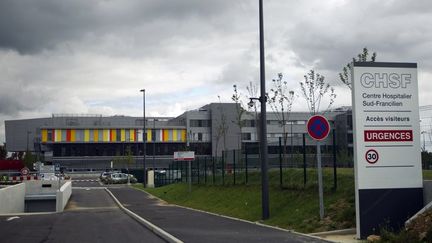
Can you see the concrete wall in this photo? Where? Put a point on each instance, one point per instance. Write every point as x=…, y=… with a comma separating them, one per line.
x=63, y=196
x=12, y=199
x=39, y=187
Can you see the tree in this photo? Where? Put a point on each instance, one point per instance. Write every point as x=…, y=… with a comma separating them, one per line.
x=125, y=160
x=29, y=159
x=345, y=76
x=280, y=101
x=128, y=161
x=236, y=97
x=3, y=151
x=221, y=128
x=252, y=90
x=314, y=88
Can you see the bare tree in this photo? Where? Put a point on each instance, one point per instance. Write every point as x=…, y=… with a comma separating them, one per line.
x=221, y=128
x=236, y=97
x=345, y=75
x=280, y=101
x=314, y=88
x=252, y=90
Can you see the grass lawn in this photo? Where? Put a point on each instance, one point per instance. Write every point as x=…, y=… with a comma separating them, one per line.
x=294, y=206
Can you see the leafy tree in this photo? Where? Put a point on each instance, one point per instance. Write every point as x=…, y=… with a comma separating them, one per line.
x=314, y=88
x=125, y=160
x=29, y=159
x=345, y=75
x=3, y=151
x=281, y=100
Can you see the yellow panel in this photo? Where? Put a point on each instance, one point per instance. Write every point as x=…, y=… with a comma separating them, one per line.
x=73, y=135
x=165, y=135
x=183, y=135
x=174, y=136
x=57, y=136
x=122, y=135
x=106, y=135
x=86, y=135
x=132, y=135
x=149, y=133
x=95, y=135
x=44, y=135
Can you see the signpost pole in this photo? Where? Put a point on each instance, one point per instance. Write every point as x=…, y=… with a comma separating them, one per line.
x=190, y=175
x=320, y=180
x=319, y=128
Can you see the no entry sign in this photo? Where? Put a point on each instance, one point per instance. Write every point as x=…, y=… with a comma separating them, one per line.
x=318, y=127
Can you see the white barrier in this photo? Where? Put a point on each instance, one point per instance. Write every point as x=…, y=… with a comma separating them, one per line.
x=12, y=199
x=62, y=196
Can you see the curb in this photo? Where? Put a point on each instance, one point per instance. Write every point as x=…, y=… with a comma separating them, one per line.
x=336, y=232
x=237, y=219
x=158, y=231
x=27, y=214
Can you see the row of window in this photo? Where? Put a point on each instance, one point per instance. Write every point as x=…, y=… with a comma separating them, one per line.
x=113, y=135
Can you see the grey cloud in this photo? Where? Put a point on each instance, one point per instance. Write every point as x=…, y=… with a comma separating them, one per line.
x=30, y=26
x=394, y=29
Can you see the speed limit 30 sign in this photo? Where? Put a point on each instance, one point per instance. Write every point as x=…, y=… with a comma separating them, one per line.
x=371, y=156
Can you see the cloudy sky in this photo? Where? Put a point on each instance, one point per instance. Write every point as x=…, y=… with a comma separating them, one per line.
x=93, y=57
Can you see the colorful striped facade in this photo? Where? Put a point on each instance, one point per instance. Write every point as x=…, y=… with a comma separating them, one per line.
x=111, y=135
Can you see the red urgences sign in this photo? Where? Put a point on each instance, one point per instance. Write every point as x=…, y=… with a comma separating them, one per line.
x=388, y=135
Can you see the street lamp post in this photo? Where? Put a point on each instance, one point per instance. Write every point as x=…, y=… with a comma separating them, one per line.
x=263, y=121
x=154, y=143
x=144, y=141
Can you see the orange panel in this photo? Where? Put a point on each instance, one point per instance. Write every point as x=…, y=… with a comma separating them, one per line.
x=165, y=135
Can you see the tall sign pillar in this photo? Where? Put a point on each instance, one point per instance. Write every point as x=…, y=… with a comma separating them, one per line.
x=388, y=172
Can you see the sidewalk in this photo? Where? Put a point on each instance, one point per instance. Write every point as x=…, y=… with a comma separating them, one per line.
x=193, y=226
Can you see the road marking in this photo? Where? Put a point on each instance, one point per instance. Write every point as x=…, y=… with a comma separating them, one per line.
x=12, y=218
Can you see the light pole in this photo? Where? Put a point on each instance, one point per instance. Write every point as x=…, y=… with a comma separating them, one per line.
x=144, y=141
x=263, y=121
x=154, y=143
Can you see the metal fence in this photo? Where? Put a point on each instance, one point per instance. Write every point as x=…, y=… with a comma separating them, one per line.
x=236, y=167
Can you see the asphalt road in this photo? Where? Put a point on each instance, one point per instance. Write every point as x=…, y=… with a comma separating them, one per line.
x=91, y=216
x=193, y=226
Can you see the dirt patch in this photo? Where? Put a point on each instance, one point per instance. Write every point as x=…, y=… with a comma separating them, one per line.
x=422, y=226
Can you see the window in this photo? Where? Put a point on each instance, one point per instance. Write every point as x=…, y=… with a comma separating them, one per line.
x=200, y=123
x=79, y=135
x=153, y=135
x=50, y=135
x=246, y=136
x=127, y=135
x=63, y=135
x=249, y=123
x=200, y=136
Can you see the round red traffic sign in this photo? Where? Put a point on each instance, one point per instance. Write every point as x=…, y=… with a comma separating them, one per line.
x=318, y=127
x=25, y=171
x=371, y=156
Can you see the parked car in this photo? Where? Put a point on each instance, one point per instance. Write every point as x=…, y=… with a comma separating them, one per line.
x=119, y=178
x=103, y=176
